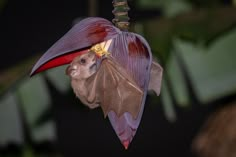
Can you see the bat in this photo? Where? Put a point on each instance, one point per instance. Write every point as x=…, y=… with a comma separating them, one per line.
x=79, y=70
x=110, y=87
x=109, y=68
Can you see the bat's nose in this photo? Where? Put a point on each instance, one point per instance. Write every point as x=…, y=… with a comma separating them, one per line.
x=71, y=70
x=74, y=67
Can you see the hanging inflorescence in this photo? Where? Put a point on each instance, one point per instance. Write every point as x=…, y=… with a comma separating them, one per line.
x=120, y=12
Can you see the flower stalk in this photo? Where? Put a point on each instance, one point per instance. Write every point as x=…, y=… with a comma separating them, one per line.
x=121, y=19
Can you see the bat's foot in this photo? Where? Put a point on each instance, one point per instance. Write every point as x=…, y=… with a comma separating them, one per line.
x=126, y=144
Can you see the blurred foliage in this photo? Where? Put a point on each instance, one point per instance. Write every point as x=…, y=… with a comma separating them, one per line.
x=202, y=23
x=168, y=8
x=201, y=26
x=13, y=74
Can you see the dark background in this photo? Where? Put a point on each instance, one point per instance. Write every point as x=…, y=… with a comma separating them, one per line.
x=30, y=27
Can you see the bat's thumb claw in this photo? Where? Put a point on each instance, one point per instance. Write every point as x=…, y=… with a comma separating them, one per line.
x=126, y=144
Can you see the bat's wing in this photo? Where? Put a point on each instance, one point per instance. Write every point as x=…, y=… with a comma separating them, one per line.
x=115, y=89
x=155, y=78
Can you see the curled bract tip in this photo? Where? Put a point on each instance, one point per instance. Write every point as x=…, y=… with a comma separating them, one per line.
x=126, y=144
x=81, y=36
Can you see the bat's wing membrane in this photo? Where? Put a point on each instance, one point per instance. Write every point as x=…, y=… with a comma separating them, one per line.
x=116, y=90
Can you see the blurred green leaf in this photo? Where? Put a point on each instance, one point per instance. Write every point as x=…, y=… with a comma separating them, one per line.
x=173, y=7
x=34, y=97
x=13, y=74
x=10, y=121
x=200, y=25
x=178, y=83
x=58, y=78
x=168, y=106
x=213, y=72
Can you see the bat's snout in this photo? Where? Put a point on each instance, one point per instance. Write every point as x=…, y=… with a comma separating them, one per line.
x=72, y=70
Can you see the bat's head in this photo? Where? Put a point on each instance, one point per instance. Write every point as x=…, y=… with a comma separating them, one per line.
x=82, y=66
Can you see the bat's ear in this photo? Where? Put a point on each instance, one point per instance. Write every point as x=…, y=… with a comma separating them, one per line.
x=78, y=40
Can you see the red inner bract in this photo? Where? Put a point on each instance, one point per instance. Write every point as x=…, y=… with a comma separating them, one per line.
x=60, y=60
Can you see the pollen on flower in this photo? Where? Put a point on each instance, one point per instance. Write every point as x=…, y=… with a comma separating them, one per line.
x=99, y=50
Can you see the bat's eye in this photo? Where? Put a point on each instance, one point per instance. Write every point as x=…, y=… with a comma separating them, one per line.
x=82, y=61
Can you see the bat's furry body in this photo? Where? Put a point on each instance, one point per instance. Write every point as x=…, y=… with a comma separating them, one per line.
x=80, y=69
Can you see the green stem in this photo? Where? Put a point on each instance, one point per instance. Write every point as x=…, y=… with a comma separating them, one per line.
x=120, y=12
